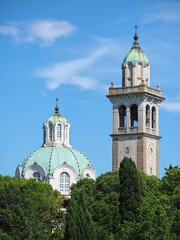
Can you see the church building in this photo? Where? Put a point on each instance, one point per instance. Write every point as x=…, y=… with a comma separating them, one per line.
x=56, y=162
x=136, y=114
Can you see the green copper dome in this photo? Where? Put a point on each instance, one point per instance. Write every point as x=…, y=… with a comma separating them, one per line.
x=49, y=158
x=136, y=54
x=57, y=118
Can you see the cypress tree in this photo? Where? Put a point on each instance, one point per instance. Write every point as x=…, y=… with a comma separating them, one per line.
x=72, y=221
x=130, y=190
x=79, y=224
x=88, y=228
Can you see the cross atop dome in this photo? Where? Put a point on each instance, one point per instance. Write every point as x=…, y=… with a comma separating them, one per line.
x=136, y=27
x=136, y=44
x=57, y=108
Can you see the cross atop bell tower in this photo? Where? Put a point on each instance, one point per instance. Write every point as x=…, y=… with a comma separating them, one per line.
x=136, y=113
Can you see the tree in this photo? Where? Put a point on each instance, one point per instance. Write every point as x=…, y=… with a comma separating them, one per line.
x=4, y=236
x=29, y=209
x=79, y=224
x=129, y=190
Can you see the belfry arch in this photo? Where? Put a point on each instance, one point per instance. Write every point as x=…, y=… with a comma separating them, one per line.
x=134, y=115
x=153, y=114
x=147, y=116
x=122, y=116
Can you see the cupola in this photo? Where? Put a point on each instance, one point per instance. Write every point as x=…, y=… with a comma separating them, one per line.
x=135, y=66
x=56, y=130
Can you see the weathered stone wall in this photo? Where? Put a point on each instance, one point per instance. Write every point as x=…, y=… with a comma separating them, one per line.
x=141, y=154
x=115, y=164
x=157, y=158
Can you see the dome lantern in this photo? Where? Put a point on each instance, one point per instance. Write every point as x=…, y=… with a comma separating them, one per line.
x=56, y=130
x=135, y=66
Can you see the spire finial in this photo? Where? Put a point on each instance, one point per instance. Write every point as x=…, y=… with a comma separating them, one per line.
x=136, y=27
x=136, y=44
x=57, y=108
x=135, y=35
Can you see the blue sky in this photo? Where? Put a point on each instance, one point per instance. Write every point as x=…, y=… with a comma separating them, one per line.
x=73, y=50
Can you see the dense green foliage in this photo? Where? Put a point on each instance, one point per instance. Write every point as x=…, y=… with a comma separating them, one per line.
x=154, y=203
x=124, y=205
x=29, y=210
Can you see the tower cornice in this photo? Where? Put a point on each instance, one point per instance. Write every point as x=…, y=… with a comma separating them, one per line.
x=136, y=90
x=139, y=134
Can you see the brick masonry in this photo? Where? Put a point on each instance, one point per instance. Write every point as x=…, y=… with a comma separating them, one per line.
x=141, y=154
x=157, y=158
x=115, y=163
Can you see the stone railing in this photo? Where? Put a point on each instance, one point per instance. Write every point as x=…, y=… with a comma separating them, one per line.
x=133, y=129
x=122, y=129
x=134, y=89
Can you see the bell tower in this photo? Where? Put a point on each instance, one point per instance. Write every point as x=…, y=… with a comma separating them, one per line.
x=136, y=114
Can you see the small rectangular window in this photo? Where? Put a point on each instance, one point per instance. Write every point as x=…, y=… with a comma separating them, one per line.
x=127, y=150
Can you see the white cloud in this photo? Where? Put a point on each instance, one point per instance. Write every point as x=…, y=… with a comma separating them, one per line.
x=173, y=107
x=71, y=72
x=168, y=12
x=45, y=31
x=9, y=30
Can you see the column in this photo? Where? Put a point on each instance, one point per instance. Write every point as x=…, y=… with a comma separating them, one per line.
x=157, y=120
x=141, y=118
x=125, y=77
x=127, y=119
x=115, y=120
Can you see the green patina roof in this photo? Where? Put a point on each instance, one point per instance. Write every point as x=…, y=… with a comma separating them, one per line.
x=136, y=54
x=57, y=118
x=49, y=158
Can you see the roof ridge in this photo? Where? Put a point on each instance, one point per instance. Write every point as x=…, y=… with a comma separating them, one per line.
x=70, y=149
x=50, y=158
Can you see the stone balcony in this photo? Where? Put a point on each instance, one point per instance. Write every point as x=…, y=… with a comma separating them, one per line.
x=135, y=89
x=123, y=130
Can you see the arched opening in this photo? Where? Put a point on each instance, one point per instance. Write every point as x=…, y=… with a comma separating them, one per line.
x=147, y=116
x=44, y=134
x=130, y=66
x=153, y=117
x=64, y=182
x=50, y=131
x=59, y=131
x=139, y=71
x=37, y=176
x=134, y=115
x=130, y=73
x=122, y=116
x=87, y=175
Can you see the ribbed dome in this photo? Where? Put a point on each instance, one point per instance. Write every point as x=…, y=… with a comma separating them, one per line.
x=136, y=54
x=57, y=118
x=49, y=158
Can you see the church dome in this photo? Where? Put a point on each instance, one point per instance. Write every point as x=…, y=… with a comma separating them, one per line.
x=49, y=158
x=136, y=55
x=56, y=162
x=57, y=118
